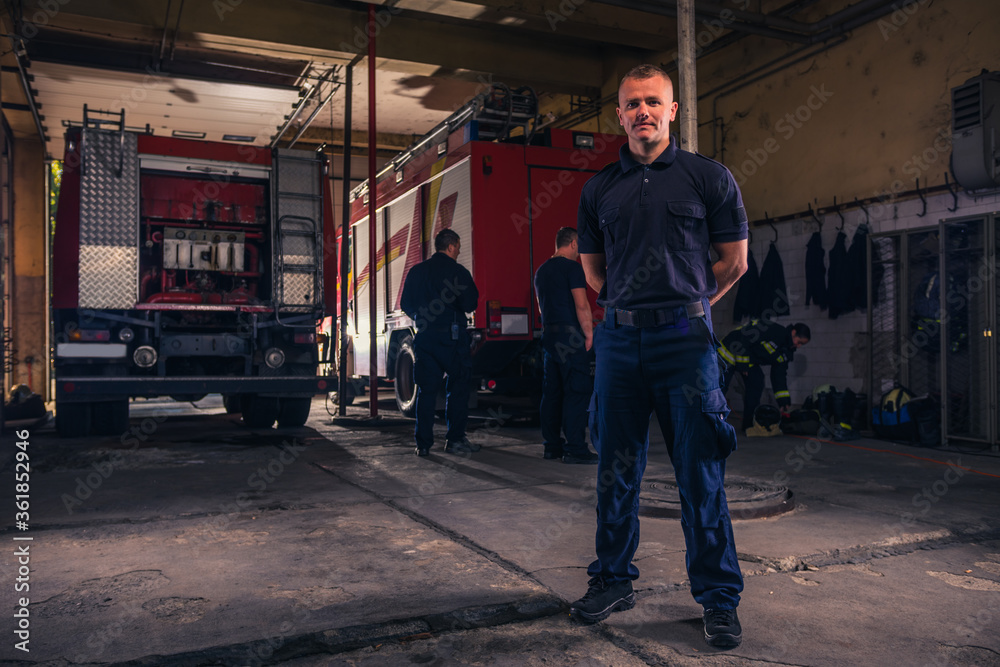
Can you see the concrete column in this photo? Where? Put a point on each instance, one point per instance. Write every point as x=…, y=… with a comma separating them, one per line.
x=687, y=76
x=29, y=298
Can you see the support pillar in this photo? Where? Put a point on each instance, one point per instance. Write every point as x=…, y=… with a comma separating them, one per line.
x=29, y=311
x=687, y=75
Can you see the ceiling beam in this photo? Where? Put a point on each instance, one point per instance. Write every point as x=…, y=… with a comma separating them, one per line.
x=339, y=33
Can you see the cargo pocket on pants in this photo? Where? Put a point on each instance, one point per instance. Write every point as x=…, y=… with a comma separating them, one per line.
x=720, y=440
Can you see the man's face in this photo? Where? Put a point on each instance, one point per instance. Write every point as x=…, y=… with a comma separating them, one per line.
x=645, y=109
x=455, y=248
x=798, y=341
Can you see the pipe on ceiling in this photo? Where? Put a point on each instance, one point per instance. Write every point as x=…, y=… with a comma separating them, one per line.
x=769, y=25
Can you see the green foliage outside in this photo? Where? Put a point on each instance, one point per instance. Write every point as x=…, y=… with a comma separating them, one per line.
x=55, y=181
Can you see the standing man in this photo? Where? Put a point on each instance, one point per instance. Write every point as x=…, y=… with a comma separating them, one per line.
x=761, y=343
x=646, y=225
x=437, y=294
x=567, y=335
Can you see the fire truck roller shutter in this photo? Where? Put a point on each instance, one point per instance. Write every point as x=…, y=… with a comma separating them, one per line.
x=452, y=209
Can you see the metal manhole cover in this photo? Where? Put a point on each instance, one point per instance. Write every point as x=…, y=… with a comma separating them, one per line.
x=748, y=499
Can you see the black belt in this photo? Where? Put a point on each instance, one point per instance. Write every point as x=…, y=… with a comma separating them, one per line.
x=653, y=318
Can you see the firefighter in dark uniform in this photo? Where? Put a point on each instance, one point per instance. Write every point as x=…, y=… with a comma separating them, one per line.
x=647, y=224
x=437, y=294
x=761, y=343
x=567, y=336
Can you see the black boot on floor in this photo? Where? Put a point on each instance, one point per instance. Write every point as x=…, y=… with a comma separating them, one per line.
x=602, y=599
x=722, y=628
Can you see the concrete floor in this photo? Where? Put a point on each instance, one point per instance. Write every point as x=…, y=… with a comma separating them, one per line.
x=194, y=540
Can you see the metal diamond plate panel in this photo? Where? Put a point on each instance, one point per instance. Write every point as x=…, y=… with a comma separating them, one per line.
x=299, y=290
x=108, y=277
x=298, y=250
x=299, y=175
x=109, y=189
x=301, y=208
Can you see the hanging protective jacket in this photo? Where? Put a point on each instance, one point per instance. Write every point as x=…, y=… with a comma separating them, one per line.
x=839, y=283
x=816, y=272
x=762, y=343
x=857, y=256
x=773, y=293
x=747, y=302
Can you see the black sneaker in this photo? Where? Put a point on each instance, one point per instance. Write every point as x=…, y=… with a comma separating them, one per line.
x=463, y=446
x=601, y=599
x=551, y=454
x=581, y=457
x=722, y=628
x=422, y=452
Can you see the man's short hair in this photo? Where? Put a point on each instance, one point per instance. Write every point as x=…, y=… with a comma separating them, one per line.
x=565, y=236
x=802, y=330
x=645, y=71
x=444, y=239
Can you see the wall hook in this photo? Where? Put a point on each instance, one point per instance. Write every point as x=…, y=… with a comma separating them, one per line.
x=773, y=228
x=923, y=200
x=839, y=214
x=816, y=217
x=863, y=208
x=954, y=195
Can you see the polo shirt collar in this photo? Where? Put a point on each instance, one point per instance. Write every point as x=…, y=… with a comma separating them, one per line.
x=663, y=160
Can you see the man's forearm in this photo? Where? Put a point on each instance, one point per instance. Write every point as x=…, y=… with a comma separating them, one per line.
x=732, y=264
x=726, y=275
x=595, y=270
x=586, y=319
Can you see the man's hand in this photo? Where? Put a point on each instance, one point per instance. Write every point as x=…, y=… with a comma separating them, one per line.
x=589, y=338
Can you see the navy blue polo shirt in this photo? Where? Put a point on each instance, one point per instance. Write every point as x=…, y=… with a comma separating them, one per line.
x=655, y=225
x=553, y=282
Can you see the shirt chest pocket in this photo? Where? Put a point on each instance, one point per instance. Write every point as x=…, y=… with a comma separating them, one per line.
x=687, y=226
x=609, y=222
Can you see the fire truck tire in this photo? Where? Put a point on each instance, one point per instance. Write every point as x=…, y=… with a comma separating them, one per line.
x=293, y=412
x=232, y=403
x=406, y=388
x=110, y=417
x=73, y=419
x=259, y=411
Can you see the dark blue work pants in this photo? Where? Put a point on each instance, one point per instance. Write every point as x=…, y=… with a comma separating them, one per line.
x=753, y=389
x=673, y=371
x=566, y=390
x=436, y=355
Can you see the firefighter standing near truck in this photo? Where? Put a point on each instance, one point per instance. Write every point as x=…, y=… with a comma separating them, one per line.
x=437, y=294
x=567, y=336
x=761, y=343
x=647, y=224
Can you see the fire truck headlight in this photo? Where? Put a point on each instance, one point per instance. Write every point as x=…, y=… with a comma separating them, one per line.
x=126, y=335
x=144, y=357
x=274, y=358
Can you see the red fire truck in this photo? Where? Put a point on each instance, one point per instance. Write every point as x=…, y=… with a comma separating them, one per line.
x=183, y=268
x=506, y=193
